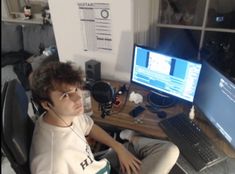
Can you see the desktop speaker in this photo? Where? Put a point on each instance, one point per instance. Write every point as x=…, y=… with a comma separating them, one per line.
x=92, y=69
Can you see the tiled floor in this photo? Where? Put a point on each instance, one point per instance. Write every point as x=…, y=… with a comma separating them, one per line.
x=6, y=168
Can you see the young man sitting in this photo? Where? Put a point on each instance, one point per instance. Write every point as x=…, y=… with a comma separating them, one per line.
x=59, y=145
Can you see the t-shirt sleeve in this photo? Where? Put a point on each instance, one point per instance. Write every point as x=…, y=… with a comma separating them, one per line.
x=85, y=123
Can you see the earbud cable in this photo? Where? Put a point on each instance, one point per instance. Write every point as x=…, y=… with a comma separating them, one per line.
x=70, y=126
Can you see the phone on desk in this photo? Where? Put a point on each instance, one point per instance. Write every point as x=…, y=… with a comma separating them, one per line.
x=137, y=111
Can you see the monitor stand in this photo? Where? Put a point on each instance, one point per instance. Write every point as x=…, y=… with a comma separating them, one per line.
x=160, y=100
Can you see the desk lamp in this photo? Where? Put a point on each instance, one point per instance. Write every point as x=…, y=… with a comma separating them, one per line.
x=104, y=94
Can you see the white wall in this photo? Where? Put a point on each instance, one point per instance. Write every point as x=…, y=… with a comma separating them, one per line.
x=67, y=27
x=4, y=9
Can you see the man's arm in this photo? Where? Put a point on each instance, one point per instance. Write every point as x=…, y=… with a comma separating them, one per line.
x=128, y=161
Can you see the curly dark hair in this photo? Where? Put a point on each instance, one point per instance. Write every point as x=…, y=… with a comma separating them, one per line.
x=52, y=76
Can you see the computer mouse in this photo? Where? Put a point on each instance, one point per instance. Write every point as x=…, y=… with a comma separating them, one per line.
x=161, y=114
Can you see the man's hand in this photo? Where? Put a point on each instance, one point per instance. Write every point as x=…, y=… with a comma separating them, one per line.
x=128, y=162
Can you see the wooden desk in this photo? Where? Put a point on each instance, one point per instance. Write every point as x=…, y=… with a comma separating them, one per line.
x=149, y=125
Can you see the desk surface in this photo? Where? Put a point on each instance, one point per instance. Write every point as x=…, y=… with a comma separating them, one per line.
x=149, y=121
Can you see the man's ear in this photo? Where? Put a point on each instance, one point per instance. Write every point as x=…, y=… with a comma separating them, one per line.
x=45, y=105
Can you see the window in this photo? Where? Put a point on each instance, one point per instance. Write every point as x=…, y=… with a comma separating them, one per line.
x=198, y=29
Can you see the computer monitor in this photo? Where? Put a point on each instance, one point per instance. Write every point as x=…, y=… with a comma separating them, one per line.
x=215, y=99
x=164, y=75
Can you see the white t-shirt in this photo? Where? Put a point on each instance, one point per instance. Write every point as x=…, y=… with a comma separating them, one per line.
x=64, y=150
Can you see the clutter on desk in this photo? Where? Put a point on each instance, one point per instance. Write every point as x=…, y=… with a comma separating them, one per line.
x=117, y=102
x=155, y=109
x=122, y=90
x=161, y=114
x=152, y=108
x=136, y=98
x=137, y=111
x=138, y=121
x=192, y=113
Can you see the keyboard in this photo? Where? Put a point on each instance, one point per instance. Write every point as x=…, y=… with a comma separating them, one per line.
x=192, y=142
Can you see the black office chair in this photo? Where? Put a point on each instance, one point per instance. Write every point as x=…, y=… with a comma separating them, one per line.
x=17, y=127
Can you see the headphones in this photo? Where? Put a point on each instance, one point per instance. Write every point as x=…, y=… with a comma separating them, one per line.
x=49, y=105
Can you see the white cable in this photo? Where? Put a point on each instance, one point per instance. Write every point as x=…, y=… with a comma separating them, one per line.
x=68, y=126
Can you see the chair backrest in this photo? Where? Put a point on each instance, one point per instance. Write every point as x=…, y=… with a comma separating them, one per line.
x=17, y=127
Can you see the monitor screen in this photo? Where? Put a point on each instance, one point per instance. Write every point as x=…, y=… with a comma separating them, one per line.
x=163, y=73
x=215, y=98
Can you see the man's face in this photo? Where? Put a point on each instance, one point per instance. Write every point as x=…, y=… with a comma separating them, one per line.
x=67, y=101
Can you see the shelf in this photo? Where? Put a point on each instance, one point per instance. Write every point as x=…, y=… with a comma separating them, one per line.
x=179, y=26
x=220, y=30
x=22, y=20
x=196, y=28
